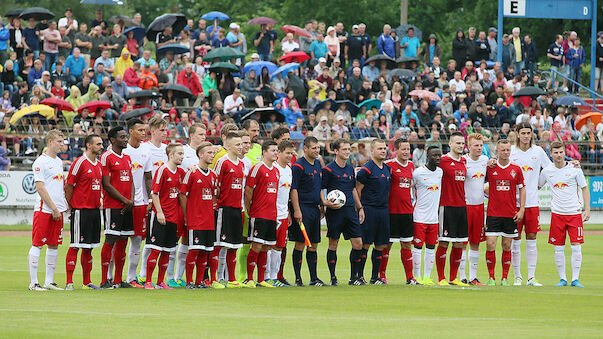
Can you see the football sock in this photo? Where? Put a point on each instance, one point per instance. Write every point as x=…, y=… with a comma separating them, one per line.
x=262, y=259
x=164, y=262
x=52, y=255
x=213, y=263
x=332, y=262
x=275, y=263
x=191, y=261
x=516, y=257
x=312, y=258
x=560, y=261
x=491, y=262
x=441, y=262
x=119, y=254
x=180, y=260
x=463, y=263
x=252, y=261
x=86, y=260
x=297, y=263
x=111, y=267
x=506, y=263
x=355, y=260
x=430, y=254
x=143, y=264
x=455, y=260
x=231, y=263
x=105, y=261
x=171, y=266
x=201, y=264
x=151, y=263
x=363, y=255
x=531, y=257
x=221, y=274
x=576, y=261
x=376, y=257
x=268, y=274
x=243, y=253
x=33, y=259
x=406, y=256
x=384, y=260
x=416, y=261
x=70, y=262
x=473, y=257
x=133, y=257
x=280, y=275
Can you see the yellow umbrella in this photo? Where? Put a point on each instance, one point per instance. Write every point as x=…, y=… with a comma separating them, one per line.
x=43, y=110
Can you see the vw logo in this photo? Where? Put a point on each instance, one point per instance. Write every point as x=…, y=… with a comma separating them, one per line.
x=3, y=191
x=29, y=184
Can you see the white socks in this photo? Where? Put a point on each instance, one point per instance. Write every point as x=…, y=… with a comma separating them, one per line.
x=111, y=264
x=33, y=258
x=516, y=257
x=532, y=257
x=133, y=257
x=181, y=265
x=462, y=273
x=576, y=261
x=143, y=265
x=222, y=272
x=52, y=255
x=170, y=269
x=560, y=261
x=273, y=264
x=473, y=263
x=429, y=260
x=416, y=261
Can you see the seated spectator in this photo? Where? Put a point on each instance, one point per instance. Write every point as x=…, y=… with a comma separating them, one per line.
x=288, y=44
x=147, y=79
x=233, y=104
x=189, y=79
x=35, y=73
x=106, y=60
x=123, y=62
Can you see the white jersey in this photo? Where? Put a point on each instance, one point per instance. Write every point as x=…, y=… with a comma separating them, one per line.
x=157, y=157
x=428, y=188
x=474, y=180
x=190, y=158
x=247, y=162
x=140, y=158
x=284, y=187
x=49, y=170
x=531, y=162
x=565, y=184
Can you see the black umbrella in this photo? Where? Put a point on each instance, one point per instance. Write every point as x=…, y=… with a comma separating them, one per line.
x=37, y=13
x=529, y=91
x=128, y=22
x=402, y=31
x=14, y=12
x=406, y=59
x=144, y=94
x=135, y=113
x=264, y=114
x=379, y=58
x=176, y=21
x=402, y=73
x=352, y=107
x=322, y=104
x=177, y=91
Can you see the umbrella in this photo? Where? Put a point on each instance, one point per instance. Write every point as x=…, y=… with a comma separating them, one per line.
x=102, y=2
x=223, y=53
x=295, y=135
x=569, y=100
x=322, y=104
x=94, y=106
x=257, y=66
x=290, y=67
x=215, y=15
x=145, y=93
x=128, y=22
x=39, y=110
x=406, y=59
x=223, y=66
x=59, y=103
x=135, y=113
x=382, y=58
x=139, y=32
x=489, y=64
x=262, y=21
x=174, y=48
x=14, y=12
x=402, y=73
x=176, y=21
x=37, y=13
x=352, y=107
x=403, y=29
x=297, y=56
x=595, y=117
x=370, y=103
x=425, y=94
x=296, y=30
x=529, y=91
x=177, y=91
x=265, y=114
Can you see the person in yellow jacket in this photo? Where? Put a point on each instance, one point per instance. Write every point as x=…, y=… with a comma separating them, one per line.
x=123, y=62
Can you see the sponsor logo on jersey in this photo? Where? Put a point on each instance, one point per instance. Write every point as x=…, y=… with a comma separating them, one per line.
x=526, y=168
x=286, y=185
x=503, y=185
x=272, y=187
x=173, y=192
x=459, y=175
x=477, y=175
x=136, y=166
x=96, y=185
x=237, y=183
x=58, y=177
x=158, y=163
x=433, y=188
x=124, y=175
x=206, y=194
x=560, y=185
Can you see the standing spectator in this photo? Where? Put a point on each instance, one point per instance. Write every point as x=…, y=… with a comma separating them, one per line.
x=482, y=47
x=599, y=67
x=459, y=49
x=318, y=48
x=430, y=51
x=342, y=36
x=306, y=41
x=83, y=41
x=555, y=53
x=411, y=44
x=65, y=45
x=471, y=44
x=332, y=43
x=367, y=41
x=97, y=40
x=575, y=57
x=508, y=53
x=98, y=20
x=519, y=46
x=52, y=38
x=354, y=46
x=385, y=43
x=263, y=43
x=116, y=42
x=530, y=55
x=31, y=40
x=567, y=44
x=16, y=37
x=493, y=44
x=201, y=26
x=190, y=80
x=68, y=22
x=220, y=39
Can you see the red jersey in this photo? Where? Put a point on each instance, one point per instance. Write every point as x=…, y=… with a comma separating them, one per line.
x=231, y=177
x=119, y=169
x=502, y=196
x=400, y=200
x=453, y=181
x=85, y=176
x=199, y=188
x=264, y=180
x=166, y=183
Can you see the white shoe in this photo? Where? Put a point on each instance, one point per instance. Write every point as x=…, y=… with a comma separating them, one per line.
x=37, y=287
x=53, y=286
x=518, y=281
x=533, y=282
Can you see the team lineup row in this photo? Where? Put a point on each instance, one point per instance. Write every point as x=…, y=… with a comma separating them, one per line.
x=251, y=199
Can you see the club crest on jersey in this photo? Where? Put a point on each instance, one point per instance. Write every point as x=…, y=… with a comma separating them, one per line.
x=112, y=225
x=153, y=239
x=197, y=240
x=513, y=174
x=223, y=236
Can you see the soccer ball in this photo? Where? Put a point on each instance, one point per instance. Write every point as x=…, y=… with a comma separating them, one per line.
x=337, y=196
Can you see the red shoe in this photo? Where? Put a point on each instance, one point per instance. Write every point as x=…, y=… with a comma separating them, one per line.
x=164, y=286
x=477, y=283
x=149, y=286
x=135, y=283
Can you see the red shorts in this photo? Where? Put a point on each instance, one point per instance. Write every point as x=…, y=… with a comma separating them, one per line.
x=426, y=233
x=46, y=230
x=281, y=232
x=140, y=218
x=561, y=223
x=531, y=220
x=475, y=219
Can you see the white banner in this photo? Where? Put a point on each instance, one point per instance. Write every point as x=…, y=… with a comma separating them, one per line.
x=17, y=188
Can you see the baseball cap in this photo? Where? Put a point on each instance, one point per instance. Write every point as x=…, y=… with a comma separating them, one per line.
x=233, y=26
x=45, y=73
x=600, y=34
x=324, y=118
x=339, y=117
x=355, y=27
x=90, y=70
x=322, y=60
x=452, y=126
x=492, y=29
x=255, y=56
x=68, y=9
x=477, y=124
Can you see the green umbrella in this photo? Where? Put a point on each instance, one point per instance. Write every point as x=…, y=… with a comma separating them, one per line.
x=223, y=66
x=223, y=53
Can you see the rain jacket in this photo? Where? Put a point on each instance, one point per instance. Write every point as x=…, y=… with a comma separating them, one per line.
x=122, y=64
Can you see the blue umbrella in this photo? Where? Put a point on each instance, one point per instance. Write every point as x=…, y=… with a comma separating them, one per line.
x=370, y=103
x=215, y=15
x=296, y=135
x=284, y=69
x=352, y=107
x=102, y=2
x=175, y=48
x=569, y=100
x=321, y=105
x=257, y=66
x=139, y=32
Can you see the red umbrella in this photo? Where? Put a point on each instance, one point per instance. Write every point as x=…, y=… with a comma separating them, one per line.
x=297, y=56
x=59, y=103
x=425, y=94
x=262, y=21
x=296, y=30
x=93, y=106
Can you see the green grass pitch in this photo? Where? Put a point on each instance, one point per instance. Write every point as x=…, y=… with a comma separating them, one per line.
x=345, y=311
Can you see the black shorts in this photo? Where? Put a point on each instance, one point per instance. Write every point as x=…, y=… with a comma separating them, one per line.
x=262, y=231
x=401, y=227
x=229, y=227
x=343, y=220
x=454, y=226
x=375, y=228
x=162, y=237
x=311, y=220
x=85, y=228
x=500, y=226
x=117, y=223
x=201, y=239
